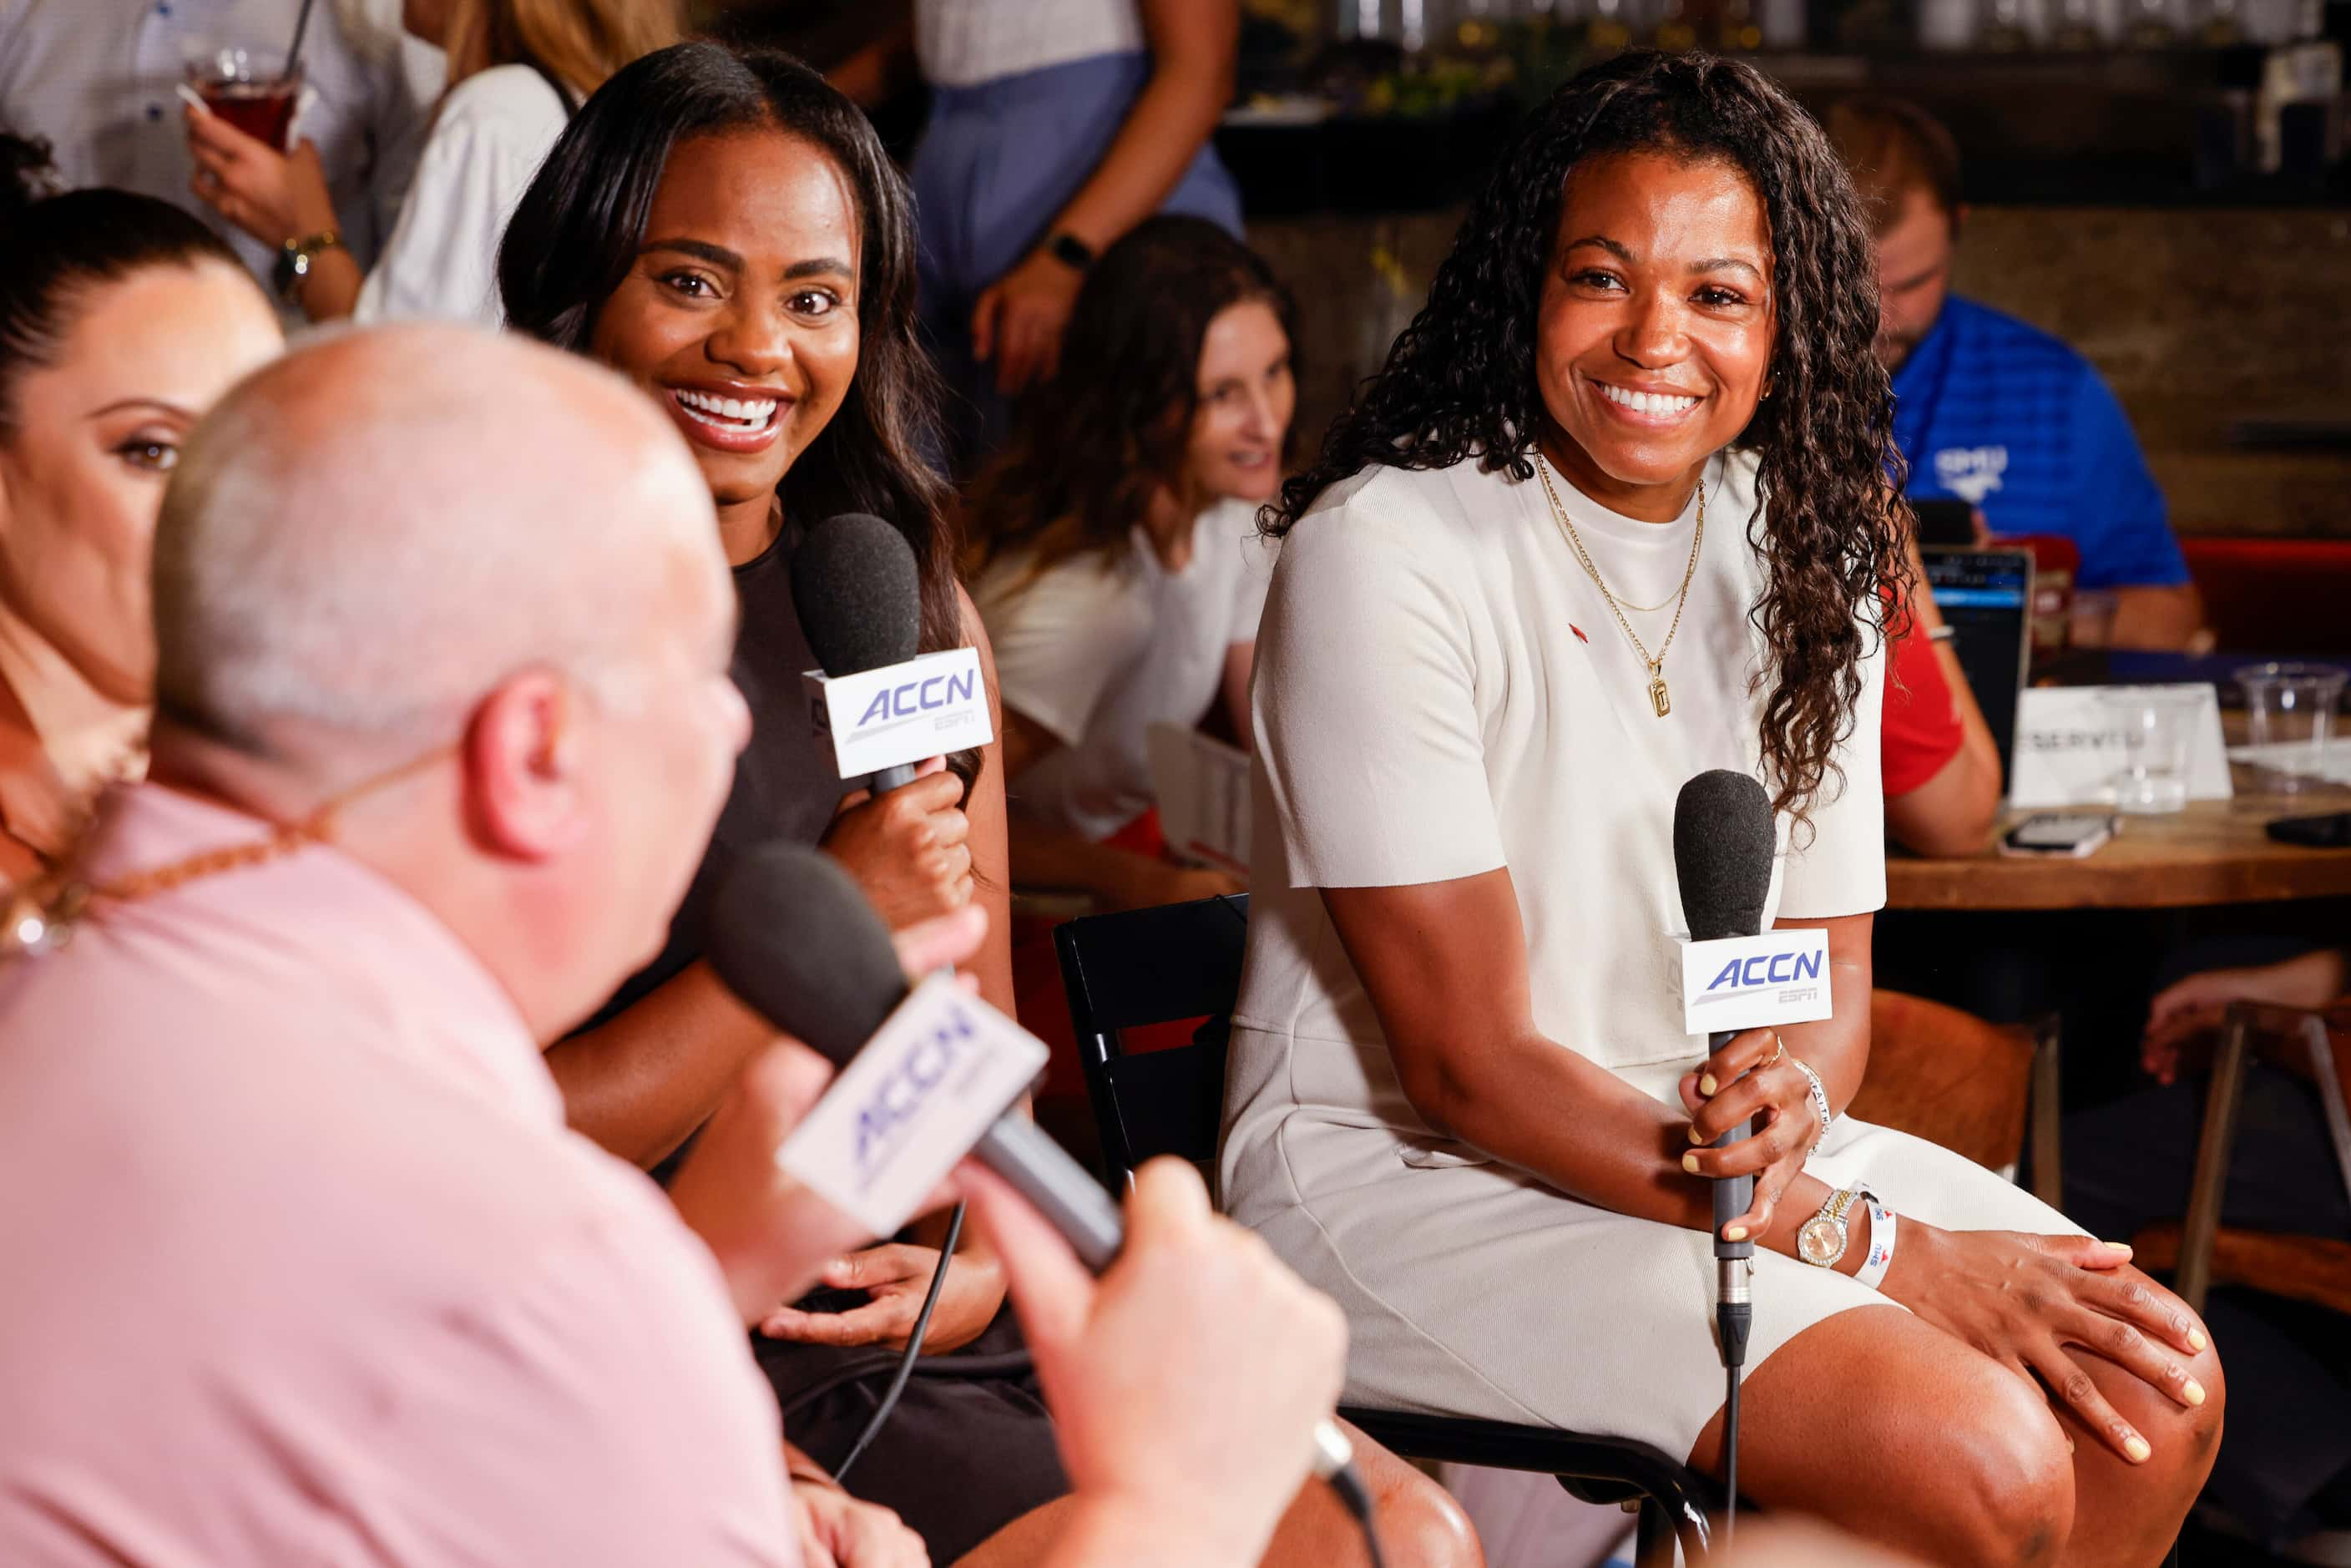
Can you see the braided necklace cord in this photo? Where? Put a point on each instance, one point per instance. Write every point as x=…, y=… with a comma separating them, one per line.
x=41, y=914
x=1660, y=698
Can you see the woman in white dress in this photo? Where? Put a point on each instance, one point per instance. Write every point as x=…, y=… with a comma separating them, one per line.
x=1617, y=511
x=516, y=70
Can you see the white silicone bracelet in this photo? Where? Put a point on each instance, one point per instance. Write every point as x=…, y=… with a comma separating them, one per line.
x=1871, y=1272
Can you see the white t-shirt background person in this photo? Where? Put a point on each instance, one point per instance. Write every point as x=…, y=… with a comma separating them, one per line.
x=493, y=131
x=1116, y=560
x=1094, y=652
x=501, y=115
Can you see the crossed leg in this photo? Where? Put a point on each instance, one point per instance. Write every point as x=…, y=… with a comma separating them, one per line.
x=1898, y=1432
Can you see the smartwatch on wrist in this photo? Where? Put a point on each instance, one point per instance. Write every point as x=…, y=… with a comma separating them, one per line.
x=1070, y=251
x=296, y=257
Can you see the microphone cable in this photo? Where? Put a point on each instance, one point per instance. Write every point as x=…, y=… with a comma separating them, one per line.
x=914, y=1348
x=1734, y=1309
x=1348, y=1483
x=1731, y=1319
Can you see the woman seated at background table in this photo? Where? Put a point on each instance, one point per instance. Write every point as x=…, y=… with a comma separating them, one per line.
x=1615, y=513
x=518, y=68
x=762, y=290
x=122, y=319
x=1114, y=553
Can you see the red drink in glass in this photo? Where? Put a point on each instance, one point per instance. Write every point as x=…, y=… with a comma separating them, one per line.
x=264, y=109
x=251, y=91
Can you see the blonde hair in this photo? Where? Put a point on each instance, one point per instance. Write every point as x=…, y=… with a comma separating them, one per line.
x=580, y=42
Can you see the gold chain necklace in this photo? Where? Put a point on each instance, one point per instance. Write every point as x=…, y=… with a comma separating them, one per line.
x=1659, y=698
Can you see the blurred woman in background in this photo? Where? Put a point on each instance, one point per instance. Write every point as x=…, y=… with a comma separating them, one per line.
x=518, y=70
x=122, y=319
x=1114, y=553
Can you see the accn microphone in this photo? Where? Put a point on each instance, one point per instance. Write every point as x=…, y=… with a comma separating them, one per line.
x=858, y=593
x=1724, y=840
x=792, y=934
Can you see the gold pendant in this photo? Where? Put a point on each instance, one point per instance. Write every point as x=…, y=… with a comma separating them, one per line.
x=1658, y=697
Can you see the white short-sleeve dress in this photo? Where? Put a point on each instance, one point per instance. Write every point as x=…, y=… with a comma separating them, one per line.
x=1440, y=691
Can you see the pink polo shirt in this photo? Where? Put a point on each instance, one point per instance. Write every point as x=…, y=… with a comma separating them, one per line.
x=298, y=1263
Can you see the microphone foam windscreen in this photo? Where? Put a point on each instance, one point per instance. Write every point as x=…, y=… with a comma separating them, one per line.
x=858, y=593
x=1723, y=843
x=793, y=936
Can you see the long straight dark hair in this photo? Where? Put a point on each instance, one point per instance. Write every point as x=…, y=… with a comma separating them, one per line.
x=577, y=233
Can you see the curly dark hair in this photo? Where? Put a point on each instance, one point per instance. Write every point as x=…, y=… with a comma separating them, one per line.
x=1110, y=427
x=1461, y=383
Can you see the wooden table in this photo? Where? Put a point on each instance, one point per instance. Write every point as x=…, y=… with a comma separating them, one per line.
x=2212, y=853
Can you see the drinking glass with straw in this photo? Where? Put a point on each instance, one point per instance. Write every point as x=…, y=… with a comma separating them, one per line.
x=254, y=90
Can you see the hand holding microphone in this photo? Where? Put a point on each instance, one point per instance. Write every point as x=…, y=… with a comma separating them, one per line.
x=1186, y=1383
x=770, y=1233
x=902, y=832
x=909, y=848
x=1752, y=1115
x=791, y=936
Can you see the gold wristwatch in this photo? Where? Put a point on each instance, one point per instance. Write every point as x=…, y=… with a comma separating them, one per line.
x=1823, y=1239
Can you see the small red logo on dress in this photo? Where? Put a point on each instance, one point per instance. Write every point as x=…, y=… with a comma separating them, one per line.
x=1578, y=633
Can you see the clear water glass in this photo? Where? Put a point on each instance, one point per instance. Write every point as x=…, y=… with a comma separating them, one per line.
x=2157, y=724
x=2290, y=712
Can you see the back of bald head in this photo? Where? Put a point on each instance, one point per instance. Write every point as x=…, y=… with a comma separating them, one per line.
x=369, y=535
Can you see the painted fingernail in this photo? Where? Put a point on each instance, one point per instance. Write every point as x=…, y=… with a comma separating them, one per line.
x=1706, y=1085
x=2135, y=1446
x=1696, y=1136
x=1735, y=1233
x=2121, y=1247
x=2194, y=1391
x=1690, y=1163
x=2196, y=1340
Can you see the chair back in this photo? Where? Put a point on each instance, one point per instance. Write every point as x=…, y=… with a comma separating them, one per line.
x=1946, y=1076
x=1143, y=967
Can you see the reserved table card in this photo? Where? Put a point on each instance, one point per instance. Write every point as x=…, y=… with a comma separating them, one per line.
x=2069, y=747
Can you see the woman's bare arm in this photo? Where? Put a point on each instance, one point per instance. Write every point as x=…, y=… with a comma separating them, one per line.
x=1446, y=968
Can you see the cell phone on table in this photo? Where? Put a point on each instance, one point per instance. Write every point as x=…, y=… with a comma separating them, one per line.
x=1946, y=523
x=2063, y=834
x=2330, y=832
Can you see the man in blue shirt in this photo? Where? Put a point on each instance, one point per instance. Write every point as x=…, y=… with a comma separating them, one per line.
x=1995, y=413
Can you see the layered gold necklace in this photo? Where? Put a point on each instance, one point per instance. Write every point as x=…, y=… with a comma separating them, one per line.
x=1659, y=697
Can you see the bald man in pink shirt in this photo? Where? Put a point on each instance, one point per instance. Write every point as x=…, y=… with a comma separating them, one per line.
x=299, y=1262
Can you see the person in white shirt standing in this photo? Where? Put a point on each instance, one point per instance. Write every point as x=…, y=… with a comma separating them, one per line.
x=516, y=70
x=95, y=78
x=1116, y=557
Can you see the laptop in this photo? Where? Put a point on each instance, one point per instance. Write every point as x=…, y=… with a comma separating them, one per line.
x=1986, y=598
